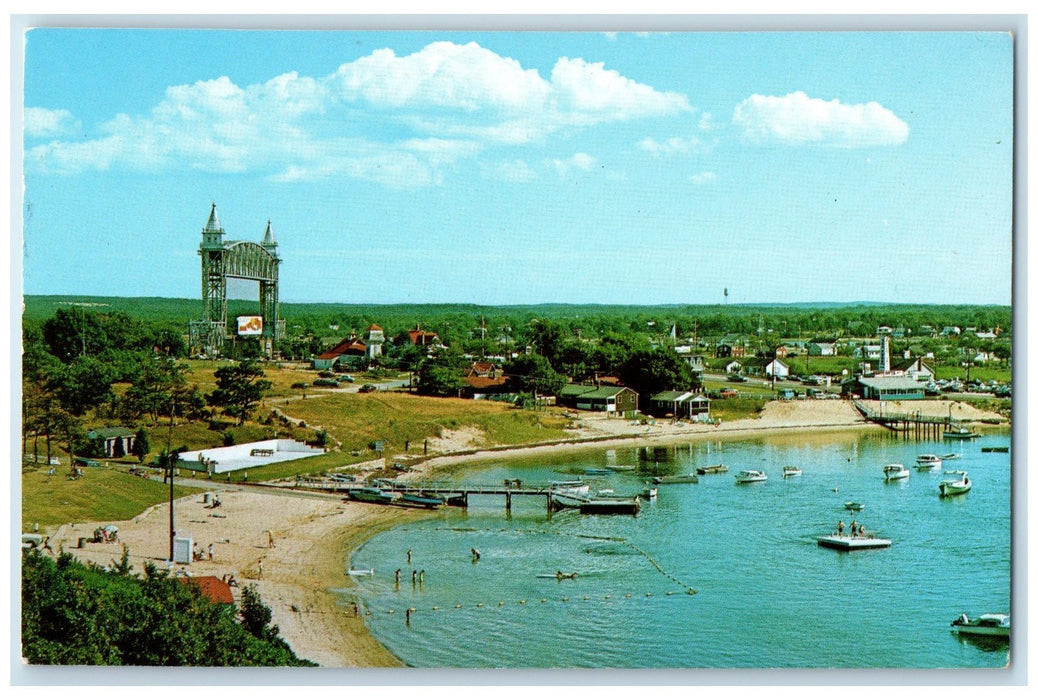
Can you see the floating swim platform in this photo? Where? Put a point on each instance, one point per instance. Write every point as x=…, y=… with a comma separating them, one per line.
x=847, y=543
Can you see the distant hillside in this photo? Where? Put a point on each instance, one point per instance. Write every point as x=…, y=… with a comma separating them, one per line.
x=165, y=309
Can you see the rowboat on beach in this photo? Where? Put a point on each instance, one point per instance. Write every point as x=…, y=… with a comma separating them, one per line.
x=370, y=494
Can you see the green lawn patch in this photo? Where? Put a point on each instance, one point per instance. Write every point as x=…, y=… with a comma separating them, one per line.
x=100, y=494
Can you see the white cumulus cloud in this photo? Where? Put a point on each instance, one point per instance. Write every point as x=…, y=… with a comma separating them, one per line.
x=380, y=116
x=799, y=119
x=703, y=178
x=578, y=161
x=671, y=146
x=39, y=122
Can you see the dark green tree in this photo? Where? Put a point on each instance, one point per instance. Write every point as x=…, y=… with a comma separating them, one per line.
x=533, y=374
x=140, y=447
x=660, y=369
x=239, y=387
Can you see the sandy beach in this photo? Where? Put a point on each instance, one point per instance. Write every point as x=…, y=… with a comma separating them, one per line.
x=302, y=577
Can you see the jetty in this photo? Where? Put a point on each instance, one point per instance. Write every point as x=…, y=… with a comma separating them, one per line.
x=846, y=543
x=458, y=495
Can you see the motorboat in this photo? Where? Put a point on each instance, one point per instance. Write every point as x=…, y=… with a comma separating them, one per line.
x=986, y=625
x=649, y=493
x=748, y=476
x=954, y=455
x=959, y=434
x=960, y=483
x=928, y=461
x=791, y=471
x=854, y=505
x=712, y=469
x=895, y=471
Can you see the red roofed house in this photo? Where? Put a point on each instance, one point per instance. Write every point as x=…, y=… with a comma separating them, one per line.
x=420, y=337
x=347, y=347
x=211, y=587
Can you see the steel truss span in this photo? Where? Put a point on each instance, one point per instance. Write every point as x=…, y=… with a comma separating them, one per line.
x=226, y=259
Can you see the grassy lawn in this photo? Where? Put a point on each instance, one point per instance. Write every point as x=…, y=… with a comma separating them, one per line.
x=357, y=420
x=736, y=408
x=101, y=494
x=999, y=373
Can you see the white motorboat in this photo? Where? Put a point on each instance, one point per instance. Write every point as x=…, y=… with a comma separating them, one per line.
x=569, y=494
x=960, y=483
x=747, y=476
x=854, y=505
x=987, y=625
x=791, y=471
x=895, y=471
x=928, y=461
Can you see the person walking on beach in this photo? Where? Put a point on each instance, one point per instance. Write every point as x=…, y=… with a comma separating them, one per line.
x=210, y=551
x=270, y=539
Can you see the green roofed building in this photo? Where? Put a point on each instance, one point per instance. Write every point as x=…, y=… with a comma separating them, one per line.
x=888, y=388
x=612, y=399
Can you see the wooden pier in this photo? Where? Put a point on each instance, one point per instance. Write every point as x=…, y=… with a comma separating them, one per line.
x=908, y=425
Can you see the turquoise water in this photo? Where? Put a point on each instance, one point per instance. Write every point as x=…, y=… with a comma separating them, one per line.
x=767, y=596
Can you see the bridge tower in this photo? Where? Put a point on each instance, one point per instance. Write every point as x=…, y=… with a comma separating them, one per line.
x=223, y=259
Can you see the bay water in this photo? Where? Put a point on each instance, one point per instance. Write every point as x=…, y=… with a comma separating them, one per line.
x=709, y=575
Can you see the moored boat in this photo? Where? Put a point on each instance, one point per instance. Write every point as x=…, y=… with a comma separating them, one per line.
x=425, y=501
x=994, y=449
x=649, y=493
x=959, y=434
x=987, y=625
x=610, y=506
x=854, y=505
x=959, y=484
x=791, y=471
x=712, y=469
x=954, y=455
x=676, y=479
x=747, y=476
x=370, y=494
x=892, y=472
x=927, y=461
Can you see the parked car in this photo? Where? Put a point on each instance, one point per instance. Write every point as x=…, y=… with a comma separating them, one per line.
x=368, y=388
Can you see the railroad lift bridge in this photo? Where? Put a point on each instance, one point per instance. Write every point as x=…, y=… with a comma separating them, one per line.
x=223, y=259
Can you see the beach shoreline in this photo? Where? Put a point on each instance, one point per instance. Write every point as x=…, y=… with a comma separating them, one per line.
x=294, y=546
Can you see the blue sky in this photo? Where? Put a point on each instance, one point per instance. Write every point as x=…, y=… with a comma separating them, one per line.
x=510, y=168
